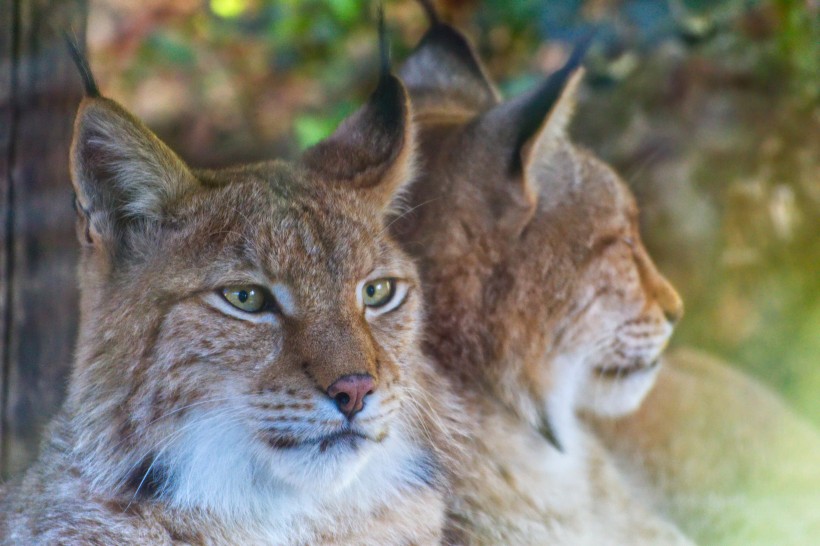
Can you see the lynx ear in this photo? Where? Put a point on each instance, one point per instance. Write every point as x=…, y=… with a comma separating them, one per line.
x=444, y=71
x=121, y=171
x=518, y=131
x=555, y=126
x=541, y=113
x=373, y=149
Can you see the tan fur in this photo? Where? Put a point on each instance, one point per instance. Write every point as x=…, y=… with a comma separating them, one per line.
x=526, y=272
x=189, y=422
x=722, y=455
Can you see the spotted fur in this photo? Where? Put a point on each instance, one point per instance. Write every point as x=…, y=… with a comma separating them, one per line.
x=537, y=287
x=190, y=422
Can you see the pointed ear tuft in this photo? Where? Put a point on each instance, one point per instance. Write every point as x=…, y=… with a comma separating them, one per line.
x=384, y=45
x=430, y=11
x=444, y=73
x=373, y=149
x=81, y=61
x=517, y=122
x=554, y=128
x=120, y=170
x=534, y=112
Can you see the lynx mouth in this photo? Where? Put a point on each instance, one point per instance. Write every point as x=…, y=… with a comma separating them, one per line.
x=621, y=372
x=343, y=438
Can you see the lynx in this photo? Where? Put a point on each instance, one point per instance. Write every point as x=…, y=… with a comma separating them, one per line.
x=247, y=367
x=540, y=297
x=714, y=450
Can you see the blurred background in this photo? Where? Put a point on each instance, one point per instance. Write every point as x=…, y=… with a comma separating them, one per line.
x=709, y=108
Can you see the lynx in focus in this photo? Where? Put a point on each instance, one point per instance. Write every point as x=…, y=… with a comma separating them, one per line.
x=247, y=368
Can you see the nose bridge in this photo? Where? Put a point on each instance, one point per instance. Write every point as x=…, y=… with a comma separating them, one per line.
x=658, y=286
x=669, y=300
x=339, y=347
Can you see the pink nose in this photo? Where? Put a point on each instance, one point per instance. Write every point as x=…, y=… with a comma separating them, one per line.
x=349, y=392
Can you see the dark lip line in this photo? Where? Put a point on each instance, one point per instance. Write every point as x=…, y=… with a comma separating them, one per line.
x=322, y=441
x=620, y=372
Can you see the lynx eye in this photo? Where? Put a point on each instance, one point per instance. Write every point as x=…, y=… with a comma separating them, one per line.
x=248, y=298
x=379, y=292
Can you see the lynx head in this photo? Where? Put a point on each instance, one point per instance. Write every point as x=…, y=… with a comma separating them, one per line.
x=529, y=247
x=246, y=333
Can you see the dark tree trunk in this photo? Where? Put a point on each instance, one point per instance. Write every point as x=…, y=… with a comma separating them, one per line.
x=39, y=94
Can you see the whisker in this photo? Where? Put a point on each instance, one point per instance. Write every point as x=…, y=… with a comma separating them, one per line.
x=405, y=213
x=175, y=411
x=165, y=441
x=171, y=438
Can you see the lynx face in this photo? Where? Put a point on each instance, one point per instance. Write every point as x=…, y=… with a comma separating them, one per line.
x=308, y=386
x=530, y=242
x=622, y=312
x=247, y=334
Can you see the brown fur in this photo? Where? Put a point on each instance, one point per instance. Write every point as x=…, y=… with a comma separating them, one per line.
x=529, y=253
x=721, y=454
x=191, y=422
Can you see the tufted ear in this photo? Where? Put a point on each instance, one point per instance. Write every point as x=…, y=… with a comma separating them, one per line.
x=554, y=127
x=533, y=116
x=520, y=131
x=444, y=72
x=121, y=172
x=373, y=149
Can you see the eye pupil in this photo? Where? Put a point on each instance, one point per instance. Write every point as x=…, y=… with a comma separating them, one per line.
x=248, y=298
x=378, y=293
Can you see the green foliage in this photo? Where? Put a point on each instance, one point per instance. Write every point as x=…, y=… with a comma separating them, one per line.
x=721, y=95
x=311, y=128
x=170, y=49
x=799, y=43
x=229, y=8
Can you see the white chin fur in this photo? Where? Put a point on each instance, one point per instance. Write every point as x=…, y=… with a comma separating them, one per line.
x=616, y=397
x=218, y=460
x=217, y=464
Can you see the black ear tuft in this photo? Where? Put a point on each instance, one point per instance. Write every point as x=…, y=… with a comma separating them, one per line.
x=373, y=148
x=537, y=104
x=430, y=11
x=81, y=61
x=444, y=72
x=384, y=46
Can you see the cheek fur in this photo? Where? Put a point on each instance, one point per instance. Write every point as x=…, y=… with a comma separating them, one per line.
x=201, y=360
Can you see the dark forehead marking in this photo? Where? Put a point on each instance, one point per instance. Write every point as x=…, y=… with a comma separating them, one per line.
x=294, y=226
x=308, y=234
x=347, y=240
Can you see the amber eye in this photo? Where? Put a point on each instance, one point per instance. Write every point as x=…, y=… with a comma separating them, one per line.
x=248, y=298
x=378, y=292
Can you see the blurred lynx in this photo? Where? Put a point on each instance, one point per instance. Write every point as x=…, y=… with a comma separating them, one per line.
x=710, y=448
x=729, y=461
x=541, y=299
x=247, y=368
